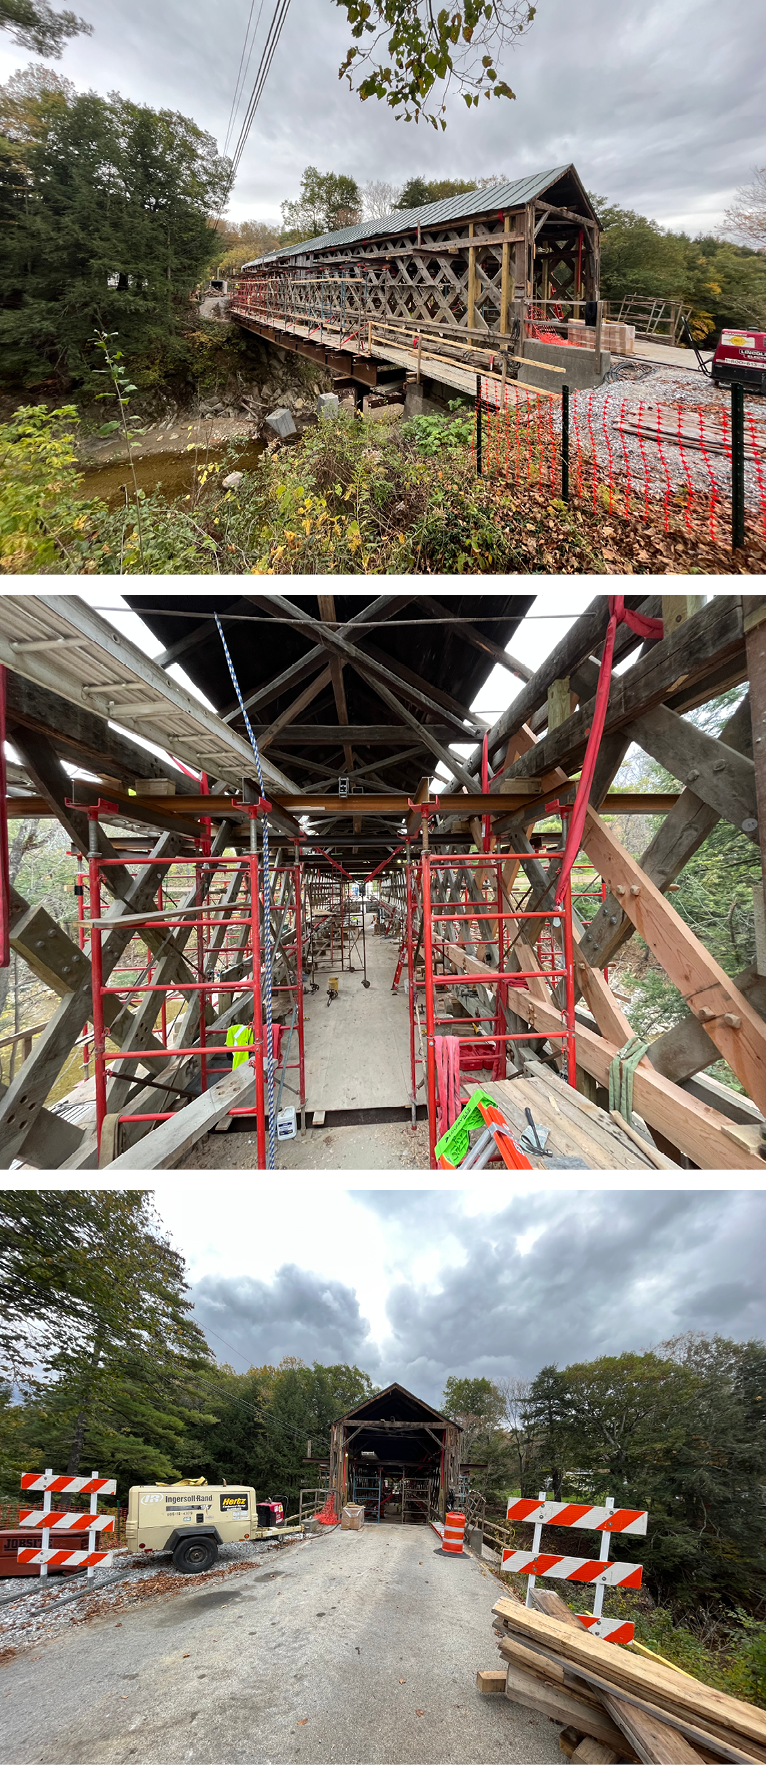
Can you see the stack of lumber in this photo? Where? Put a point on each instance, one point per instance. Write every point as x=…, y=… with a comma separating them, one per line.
x=632, y=1707
x=577, y=1127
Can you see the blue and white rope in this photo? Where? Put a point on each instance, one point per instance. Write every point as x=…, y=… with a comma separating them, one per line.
x=266, y=913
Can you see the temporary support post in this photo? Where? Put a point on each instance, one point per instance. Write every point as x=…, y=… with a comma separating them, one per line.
x=478, y=425
x=255, y=935
x=737, y=468
x=411, y=1000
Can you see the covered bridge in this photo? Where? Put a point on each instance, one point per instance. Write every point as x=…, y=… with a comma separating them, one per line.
x=397, y=1457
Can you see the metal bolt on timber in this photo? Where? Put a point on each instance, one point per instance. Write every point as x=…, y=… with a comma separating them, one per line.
x=737, y=468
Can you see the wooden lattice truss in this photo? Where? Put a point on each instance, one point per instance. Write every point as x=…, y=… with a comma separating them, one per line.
x=706, y=650
x=542, y=736
x=474, y=276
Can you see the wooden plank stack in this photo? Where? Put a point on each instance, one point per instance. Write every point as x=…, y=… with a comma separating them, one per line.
x=619, y=1707
x=576, y=1126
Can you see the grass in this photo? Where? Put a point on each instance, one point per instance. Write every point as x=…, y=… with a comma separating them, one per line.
x=353, y=497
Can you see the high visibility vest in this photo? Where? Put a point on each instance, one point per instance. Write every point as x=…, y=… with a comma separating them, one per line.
x=239, y=1032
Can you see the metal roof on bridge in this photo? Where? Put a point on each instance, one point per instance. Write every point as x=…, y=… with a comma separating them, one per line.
x=509, y=194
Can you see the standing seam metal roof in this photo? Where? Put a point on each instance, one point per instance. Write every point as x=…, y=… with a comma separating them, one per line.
x=452, y=208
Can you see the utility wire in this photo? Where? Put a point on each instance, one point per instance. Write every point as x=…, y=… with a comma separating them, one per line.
x=242, y=70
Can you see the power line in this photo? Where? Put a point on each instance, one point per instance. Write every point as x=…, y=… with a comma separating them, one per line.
x=242, y=75
x=274, y=32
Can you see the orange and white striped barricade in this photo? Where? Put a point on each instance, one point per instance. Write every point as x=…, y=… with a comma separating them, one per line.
x=596, y=1571
x=44, y=1519
x=454, y=1533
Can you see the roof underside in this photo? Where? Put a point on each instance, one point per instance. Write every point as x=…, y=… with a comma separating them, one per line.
x=394, y=1404
x=263, y=645
x=562, y=185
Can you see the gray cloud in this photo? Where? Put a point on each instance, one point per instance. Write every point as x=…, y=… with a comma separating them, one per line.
x=297, y=1313
x=608, y=1271
x=660, y=109
x=545, y=1277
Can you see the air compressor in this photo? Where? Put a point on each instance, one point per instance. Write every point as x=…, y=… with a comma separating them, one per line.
x=739, y=359
x=191, y=1520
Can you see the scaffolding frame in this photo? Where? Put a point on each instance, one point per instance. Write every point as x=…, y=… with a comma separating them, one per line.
x=484, y=875
x=225, y=921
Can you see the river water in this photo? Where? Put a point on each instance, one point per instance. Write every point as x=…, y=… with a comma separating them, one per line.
x=173, y=473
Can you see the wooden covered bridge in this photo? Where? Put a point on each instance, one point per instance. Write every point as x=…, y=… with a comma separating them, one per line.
x=475, y=283
x=395, y=814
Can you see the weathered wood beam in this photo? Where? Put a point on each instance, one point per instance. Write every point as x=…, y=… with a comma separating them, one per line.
x=378, y=735
x=163, y=1148
x=479, y=639
x=199, y=635
x=446, y=700
x=82, y=736
x=683, y=832
x=687, y=1048
x=736, y=1029
x=374, y=672
x=721, y=777
x=293, y=710
x=386, y=606
x=685, y=659
x=327, y=612
x=25, y=1097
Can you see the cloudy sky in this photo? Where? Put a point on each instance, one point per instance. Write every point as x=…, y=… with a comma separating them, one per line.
x=661, y=108
x=414, y=1284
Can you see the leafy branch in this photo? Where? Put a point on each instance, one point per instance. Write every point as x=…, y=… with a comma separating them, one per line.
x=414, y=52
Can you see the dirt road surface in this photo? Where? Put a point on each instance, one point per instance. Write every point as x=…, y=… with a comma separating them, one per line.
x=352, y=1647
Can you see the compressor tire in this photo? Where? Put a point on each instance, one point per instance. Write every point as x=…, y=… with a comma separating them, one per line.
x=192, y=1556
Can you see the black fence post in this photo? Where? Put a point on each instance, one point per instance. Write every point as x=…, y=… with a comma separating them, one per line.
x=478, y=425
x=737, y=468
x=565, y=444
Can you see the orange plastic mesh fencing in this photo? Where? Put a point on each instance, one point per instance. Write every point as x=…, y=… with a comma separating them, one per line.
x=327, y=1516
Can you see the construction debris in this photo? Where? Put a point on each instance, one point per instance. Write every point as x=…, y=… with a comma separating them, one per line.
x=636, y=1708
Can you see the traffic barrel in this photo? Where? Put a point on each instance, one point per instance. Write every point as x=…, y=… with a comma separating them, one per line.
x=454, y=1530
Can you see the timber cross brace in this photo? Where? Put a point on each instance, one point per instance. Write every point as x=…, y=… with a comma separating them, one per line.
x=387, y=688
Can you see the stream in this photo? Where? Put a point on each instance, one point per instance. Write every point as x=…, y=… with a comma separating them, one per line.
x=172, y=472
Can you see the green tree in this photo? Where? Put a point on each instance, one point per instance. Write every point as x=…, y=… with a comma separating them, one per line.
x=107, y=205
x=721, y=282
x=34, y=25
x=327, y=201
x=418, y=54
x=96, y=1330
x=266, y=1417
x=416, y=194
x=546, y=1417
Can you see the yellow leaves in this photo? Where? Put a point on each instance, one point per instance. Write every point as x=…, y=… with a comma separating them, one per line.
x=307, y=527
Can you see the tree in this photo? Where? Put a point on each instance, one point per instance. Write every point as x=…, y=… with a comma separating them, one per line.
x=417, y=54
x=241, y=241
x=108, y=205
x=96, y=1330
x=747, y=215
x=266, y=1417
x=520, y=1430
x=327, y=202
x=721, y=283
x=34, y=25
x=379, y=198
x=415, y=194
x=546, y=1416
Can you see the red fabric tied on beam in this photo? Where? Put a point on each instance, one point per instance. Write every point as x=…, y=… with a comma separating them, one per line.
x=277, y=1032
x=643, y=627
x=5, y=875
x=448, y=1105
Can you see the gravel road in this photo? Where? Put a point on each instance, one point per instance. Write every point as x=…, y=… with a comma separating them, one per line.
x=351, y=1647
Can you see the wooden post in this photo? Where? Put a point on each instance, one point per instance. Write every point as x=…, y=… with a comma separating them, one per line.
x=677, y=608
x=597, y=338
x=505, y=276
x=559, y=703
x=471, y=318
x=420, y=347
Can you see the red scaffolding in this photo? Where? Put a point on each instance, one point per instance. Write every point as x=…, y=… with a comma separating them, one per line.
x=469, y=892
x=220, y=913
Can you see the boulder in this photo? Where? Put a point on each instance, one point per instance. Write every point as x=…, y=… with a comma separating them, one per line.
x=233, y=479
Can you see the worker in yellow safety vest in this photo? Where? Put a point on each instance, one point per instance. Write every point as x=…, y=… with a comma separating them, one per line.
x=236, y=1033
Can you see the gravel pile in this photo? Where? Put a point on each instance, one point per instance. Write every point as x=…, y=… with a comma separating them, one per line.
x=51, y=1607
x=671, y=389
